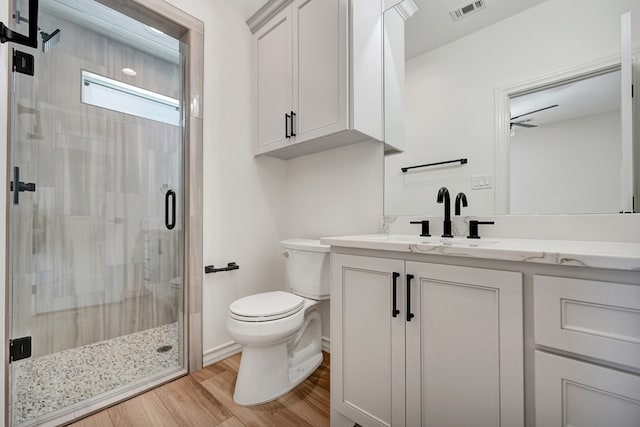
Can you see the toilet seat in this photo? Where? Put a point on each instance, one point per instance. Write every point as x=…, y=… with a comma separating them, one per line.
x=266, y=306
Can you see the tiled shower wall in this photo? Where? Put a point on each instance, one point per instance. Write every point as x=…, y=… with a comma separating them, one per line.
x=92, y=258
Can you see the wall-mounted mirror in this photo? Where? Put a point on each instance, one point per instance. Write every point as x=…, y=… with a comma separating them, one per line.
x=565, y=152
x=460, y=93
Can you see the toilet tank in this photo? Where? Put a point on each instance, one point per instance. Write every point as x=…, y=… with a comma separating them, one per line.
x=307, y=265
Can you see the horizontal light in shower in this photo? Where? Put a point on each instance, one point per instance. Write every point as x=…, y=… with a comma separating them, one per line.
x=107, y=93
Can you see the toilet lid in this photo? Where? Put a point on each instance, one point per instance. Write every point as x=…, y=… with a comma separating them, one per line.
x=266, y=306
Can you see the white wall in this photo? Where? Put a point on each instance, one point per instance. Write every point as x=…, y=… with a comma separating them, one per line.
x=450, y=93
x=548, y=177
x=334, y=193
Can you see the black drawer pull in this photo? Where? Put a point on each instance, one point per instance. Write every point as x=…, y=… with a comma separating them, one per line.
x=410, y=315
x=286, y=125
x=394, y=310
x=293, y=116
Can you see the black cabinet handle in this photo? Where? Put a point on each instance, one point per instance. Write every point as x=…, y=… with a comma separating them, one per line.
x=410, y=315
x=170, y=200
x=293, y=116
x=286, y=125
x=394, y=310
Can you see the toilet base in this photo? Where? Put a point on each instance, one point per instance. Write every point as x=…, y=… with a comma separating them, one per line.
x=264, y=374
x=268, y=372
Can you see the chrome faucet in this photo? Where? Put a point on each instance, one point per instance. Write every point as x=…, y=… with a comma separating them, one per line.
x=443, y=196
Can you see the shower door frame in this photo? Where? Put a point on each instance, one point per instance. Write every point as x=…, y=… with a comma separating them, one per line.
x=190, y=31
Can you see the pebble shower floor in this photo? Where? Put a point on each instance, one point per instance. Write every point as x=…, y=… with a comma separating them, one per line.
x=55, y=381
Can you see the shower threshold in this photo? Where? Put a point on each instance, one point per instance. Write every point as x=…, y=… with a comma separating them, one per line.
x=60, y=387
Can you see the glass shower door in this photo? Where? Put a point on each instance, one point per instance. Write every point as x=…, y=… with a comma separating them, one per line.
x=96, y=241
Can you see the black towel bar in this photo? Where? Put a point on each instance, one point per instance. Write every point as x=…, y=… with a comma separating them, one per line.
x=461, y=161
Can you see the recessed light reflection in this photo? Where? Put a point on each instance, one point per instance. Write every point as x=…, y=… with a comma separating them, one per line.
x=154, y=30
x=129, y=71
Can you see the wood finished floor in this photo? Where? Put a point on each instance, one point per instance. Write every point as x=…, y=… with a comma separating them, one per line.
x=206, y=399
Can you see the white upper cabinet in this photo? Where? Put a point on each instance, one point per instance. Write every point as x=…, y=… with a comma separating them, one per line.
x=318, y=73
x=319, y=56
x=274, y=80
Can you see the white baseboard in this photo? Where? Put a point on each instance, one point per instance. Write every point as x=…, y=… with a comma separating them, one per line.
x=221, y=352
x=326, y=344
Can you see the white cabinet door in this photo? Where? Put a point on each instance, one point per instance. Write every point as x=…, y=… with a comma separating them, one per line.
x=320, y=64
x=579, y=394
x=274, y=82
x=367, y=357
x=464, y=347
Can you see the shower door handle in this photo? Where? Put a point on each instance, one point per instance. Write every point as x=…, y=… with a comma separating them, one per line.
x=170, y=203
x=6, y=35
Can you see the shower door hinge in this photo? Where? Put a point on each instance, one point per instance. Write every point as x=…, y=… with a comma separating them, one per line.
x=19, y=348
x=22, y=62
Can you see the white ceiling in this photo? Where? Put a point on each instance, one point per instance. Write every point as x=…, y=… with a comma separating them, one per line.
x=432, y=26
x=595, y=95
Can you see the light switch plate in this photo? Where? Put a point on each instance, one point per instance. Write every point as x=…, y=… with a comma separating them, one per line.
x=480, y=182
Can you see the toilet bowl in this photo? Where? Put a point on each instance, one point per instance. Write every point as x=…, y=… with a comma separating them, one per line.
x=280, y=332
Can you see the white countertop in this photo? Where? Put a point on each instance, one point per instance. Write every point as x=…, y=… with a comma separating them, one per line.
x=612, y=255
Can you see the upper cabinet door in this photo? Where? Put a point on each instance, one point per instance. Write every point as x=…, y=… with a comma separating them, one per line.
x=274, y=81
x=626, y=112
x=320, y=58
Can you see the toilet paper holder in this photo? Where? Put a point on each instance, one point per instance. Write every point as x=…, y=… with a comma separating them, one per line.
x=230, y=266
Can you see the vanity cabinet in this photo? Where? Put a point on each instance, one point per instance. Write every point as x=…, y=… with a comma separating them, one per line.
x=424, y=344
x=600, y=322
x=569, y=392
x=318, y=75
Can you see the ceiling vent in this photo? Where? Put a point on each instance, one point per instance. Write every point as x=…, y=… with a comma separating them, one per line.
x=467, y=9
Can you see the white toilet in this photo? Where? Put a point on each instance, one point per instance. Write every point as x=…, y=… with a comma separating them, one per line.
x=280, y=331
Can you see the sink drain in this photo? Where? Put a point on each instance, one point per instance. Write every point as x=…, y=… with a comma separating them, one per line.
x=164, y=348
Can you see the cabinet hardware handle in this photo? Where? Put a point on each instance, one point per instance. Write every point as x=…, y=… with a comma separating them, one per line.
x=410, y=315
x=293, y=116
x=395, y=311
x=286, y=125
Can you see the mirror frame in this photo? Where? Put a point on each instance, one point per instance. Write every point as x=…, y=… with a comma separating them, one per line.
x=502, y=96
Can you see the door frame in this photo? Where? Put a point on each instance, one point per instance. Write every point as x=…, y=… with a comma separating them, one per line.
x=190, y=31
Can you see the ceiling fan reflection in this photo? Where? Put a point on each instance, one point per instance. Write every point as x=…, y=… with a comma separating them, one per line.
x=523, y=123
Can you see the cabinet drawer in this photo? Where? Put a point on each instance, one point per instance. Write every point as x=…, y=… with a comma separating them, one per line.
x=574, y=393
x=595, y=319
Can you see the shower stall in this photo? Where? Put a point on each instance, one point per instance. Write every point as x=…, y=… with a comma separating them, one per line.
x=96, y=238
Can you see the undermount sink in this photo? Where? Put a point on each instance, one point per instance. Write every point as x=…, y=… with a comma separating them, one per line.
x=402, y=238
x=468, y=243
x=433, y=240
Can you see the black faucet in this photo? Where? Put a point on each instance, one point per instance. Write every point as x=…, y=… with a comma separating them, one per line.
x=461, y=197
x=443, y=196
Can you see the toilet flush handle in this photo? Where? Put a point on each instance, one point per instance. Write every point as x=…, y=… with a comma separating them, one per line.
x=285, y=254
